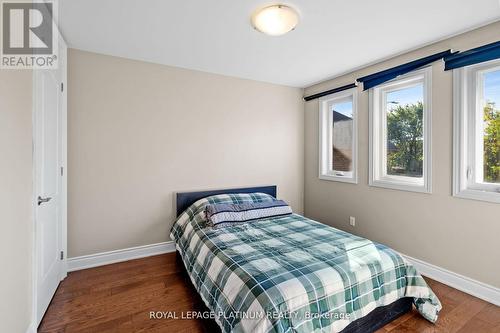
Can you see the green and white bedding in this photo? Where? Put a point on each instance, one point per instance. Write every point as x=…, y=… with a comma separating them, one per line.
x=291, y=274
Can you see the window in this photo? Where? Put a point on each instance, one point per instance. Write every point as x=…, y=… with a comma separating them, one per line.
x=400, y=133
x=338, y=136
x=477, y=131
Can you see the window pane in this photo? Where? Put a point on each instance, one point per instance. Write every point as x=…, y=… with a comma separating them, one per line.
x=491, y=127
x=405, y=131
x=342, y=136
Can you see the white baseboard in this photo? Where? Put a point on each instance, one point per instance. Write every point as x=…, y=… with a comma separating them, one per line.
x=111, y=257
x=467, y=285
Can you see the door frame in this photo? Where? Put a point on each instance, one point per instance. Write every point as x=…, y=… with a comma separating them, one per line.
x=64, y=180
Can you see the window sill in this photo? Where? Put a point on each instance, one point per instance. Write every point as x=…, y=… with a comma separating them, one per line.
x=332, y=178
x=409, y=187
x=478, y=195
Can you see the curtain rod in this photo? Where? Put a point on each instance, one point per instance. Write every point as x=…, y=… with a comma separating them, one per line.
x=474, y=56
x=385, y=75
x=331, y=91
x=375, y=79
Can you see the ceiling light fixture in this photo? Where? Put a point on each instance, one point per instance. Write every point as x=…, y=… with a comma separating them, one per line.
x=275, y=20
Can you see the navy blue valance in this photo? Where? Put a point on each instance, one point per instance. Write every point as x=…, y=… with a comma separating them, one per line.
x=373, y=80
x=473, y=56
x=331, y=91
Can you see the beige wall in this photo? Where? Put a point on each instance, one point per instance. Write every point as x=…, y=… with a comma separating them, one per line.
x=138, y=132
x=457, y=234
x=16, y=232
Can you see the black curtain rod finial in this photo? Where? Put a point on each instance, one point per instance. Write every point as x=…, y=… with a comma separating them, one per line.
x=331, y=91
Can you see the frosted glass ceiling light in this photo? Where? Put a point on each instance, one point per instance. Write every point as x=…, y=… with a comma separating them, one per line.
x=275, y=20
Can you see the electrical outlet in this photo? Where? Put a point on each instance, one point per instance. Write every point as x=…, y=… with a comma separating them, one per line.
x=352, y=221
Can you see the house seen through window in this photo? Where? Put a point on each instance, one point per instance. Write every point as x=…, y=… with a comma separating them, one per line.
x=338, y=136
x=342, y=132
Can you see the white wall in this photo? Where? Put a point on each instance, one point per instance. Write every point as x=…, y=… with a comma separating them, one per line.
x=138, y=132
x=457, y=234
x=16, y=232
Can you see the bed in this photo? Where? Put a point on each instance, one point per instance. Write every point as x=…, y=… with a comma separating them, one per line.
x=292, y=274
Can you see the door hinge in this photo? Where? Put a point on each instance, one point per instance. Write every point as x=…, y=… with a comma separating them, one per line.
x=62, y=171
x=62, y=255
x=62, y=86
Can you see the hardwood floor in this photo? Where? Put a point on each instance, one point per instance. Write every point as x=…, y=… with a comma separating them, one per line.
x=119, y=298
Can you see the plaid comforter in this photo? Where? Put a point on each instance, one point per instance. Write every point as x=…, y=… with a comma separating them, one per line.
x=290, y=273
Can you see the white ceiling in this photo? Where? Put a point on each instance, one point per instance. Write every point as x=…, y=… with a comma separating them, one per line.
x=333, y=37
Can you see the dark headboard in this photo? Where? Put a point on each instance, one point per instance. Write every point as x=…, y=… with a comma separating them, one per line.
x=186, y=199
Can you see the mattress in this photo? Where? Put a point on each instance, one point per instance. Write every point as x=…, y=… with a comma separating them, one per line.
x=290, y=273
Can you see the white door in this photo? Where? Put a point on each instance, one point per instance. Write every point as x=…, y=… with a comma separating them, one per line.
x=50, y=201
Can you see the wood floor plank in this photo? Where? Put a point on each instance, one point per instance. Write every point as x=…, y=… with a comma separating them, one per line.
x=119, y=298
x=478, y=326
x=490, y=315
x=462, y=314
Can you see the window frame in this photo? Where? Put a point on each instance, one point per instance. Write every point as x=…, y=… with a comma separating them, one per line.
x=378, y=138
x=325, y=137
x=467, y=140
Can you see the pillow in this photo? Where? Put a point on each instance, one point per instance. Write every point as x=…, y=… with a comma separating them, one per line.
x=229, y=214
x=194, y=217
